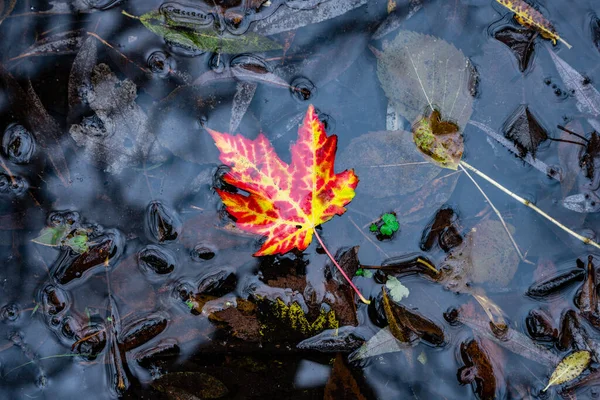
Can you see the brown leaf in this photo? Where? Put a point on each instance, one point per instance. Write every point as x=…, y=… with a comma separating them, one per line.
x=30, y=111
x=520, y=42
x=525, y=131
x=478, y=370
x=341, y=383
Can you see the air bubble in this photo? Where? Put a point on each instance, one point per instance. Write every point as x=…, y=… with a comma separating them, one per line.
x=303, y=89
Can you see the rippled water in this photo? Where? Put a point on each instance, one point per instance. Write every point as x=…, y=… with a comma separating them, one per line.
x=113, y=320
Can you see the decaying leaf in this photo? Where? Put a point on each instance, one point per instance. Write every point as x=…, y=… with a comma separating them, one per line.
x=117, y=134
x=341, y=383
x=528, y=16
x=292, y=17
x=202, y=39
x=243, y=96
x=64, y=235
x=525, y=131
x=421, y=73
x=440, y=140
x=388, y=163
x=478, y=370
x=30, y=112
x=588, y=98
x=61, y=43
x=485, y=256
x=408, y=326
x=396, y=18
x=569, y=368
x=281, y=318
x=520, y=42
x=285, y=202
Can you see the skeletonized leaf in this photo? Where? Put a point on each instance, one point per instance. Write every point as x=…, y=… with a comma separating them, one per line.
x=535, y=163
x=381, y=343
x=588, y=98
x=525, y=131
x=530, y=17
x=241, y=100
x=61, y=43
x=287, y=18
x=570, y=368
x=80, y=78
x=205, y=39
x=420, y=73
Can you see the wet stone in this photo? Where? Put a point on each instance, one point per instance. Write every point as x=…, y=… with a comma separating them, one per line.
x=218, y=283
x=156, y=259
x=140, y=331
x=202, y=253
x=15, y=185
x=303, y=89
x=9, y=313
x=18, y=144
x=162, y=223
x=54, y=300
x=70, y=267
x=160, y=64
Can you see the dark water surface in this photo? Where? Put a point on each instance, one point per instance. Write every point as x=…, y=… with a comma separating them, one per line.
x=114, y=321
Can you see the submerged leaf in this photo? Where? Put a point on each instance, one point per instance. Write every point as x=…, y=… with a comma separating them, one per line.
x=382, y=342
x=478, y=370
x=440, y=140
x=202, y=40
x=116, y=133
x=520, y=42
x=341, y=383
x=525, y=131
x=421, y=73
x=569, y=368
x=289, y=17
x=285, y=202
x=528, y=16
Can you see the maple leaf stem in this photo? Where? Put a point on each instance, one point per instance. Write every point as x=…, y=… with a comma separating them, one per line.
x=362, y=298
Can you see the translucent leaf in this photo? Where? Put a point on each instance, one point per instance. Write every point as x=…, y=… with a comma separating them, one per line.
x=420, y=73
x=51, y=236
x=570, y=368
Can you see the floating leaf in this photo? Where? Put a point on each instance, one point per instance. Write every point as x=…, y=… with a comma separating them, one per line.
x=528, y=16
x=203, y=40
x=525, y=131
x=440, y=140
x=292, y=17
x=285, y=202
x=382, y=342
x=421, y=73
x=397, y=290
x=243, y=96
x=63, y=235
x=520, y=42
x=570, y=368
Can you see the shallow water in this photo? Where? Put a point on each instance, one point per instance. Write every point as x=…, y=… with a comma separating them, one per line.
x=112, y=321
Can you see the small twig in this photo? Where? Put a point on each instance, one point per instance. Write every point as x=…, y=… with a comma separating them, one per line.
x=562, y=128
x=512, y=240
x=362, y=298
x=118, y=52
x=368, y=238
x=532, y=206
